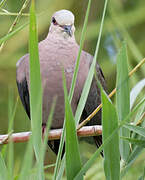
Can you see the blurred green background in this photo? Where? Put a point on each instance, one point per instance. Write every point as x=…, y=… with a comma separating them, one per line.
x=125, y=20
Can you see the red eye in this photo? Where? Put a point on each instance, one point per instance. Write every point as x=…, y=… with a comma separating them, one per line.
x=54, y=21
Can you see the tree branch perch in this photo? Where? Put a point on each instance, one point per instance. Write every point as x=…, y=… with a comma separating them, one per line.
x=53, y=134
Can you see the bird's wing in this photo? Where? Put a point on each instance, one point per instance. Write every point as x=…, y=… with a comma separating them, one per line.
x=22, y=84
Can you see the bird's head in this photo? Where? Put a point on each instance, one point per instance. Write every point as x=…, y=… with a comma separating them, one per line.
x=62, y=23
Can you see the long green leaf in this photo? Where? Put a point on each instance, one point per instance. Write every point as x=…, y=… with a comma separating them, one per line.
x=123, y=101
x=132, y=157
x=35, y=88
x=11, y=115
x=79, y=53
x=138, y=118
x=135, y=91
x=139, y=115
x=111, y=152
x=40, y=163
x=58, y=166
x=61, y=170
x=27, y=162
x=73, y=160
x=136, y=129
x=136, y=150
x=89, y=79
x=89, y=163
x=3, y=168
x=138, y=142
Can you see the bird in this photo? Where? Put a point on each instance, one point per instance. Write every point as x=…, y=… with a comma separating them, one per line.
x=58, y=50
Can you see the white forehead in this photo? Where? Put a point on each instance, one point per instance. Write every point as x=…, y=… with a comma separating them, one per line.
x=64, y=17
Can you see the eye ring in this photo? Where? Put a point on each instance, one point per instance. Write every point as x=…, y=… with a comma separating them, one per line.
x=54, y=21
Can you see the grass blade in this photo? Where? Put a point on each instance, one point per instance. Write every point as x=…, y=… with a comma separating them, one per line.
x=27, y=162
x=35, y=90
x=135, y=92
x=136, y=129
x=35, y=84
x=123, y=107
x=73, y=160
x=132, y=157
x=111, y=151
x=11, y=115
x=138, y=142
x=40, y=163
x=89, y=163
x=136, y=149
x=140, y=122
x=139, y=115
x=79, y=53
x=58, y=159
x=89, y=79
x=61, y=170
x=3, y=168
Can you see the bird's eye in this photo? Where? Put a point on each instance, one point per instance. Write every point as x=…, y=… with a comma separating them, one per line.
x=54, y=21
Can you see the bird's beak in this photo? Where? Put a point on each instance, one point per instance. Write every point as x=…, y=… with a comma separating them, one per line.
x=68, y=29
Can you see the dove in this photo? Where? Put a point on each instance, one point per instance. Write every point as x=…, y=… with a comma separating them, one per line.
x=58, y=50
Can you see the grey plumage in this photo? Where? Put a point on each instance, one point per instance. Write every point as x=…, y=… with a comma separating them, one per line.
x=59, y=50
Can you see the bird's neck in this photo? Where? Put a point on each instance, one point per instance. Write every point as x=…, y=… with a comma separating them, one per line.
x=61, y=37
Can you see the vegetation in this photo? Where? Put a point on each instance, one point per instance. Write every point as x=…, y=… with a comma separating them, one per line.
x=122, y=118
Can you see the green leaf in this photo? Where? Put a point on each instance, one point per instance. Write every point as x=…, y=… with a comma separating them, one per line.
x=58, y=159
x=138, y=118
x=90, y=76
x=131, y=159
x=73, y=160
x=139, y=115
x=136, y=129
x=89, y=163
x=123, y=106
x=3, y=169
x=111, y=151
x=35, y=88
x=35, y=83
x=136, y=150
x=11, y=116
x=61, y=170
x=27, y=162
x=138, y=142
x=40, y=163
x=135, y=91
x=79, y=53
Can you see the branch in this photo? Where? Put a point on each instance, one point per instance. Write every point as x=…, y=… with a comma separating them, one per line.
x=53, y=134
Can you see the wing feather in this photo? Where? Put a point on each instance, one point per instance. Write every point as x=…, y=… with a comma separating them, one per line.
x=24, y=95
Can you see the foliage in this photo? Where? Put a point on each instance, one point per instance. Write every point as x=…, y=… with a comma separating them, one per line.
x=118, y=25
